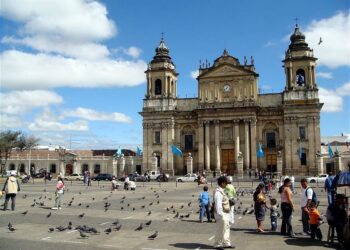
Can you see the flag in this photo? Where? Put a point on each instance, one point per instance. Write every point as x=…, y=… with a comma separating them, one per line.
x=260, y=152
x=330, y=151
x=119, y=152
x=139, y=151
x=300, y=151
x=176, y=150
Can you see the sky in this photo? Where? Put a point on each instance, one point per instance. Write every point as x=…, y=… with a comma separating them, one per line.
x=72, y=71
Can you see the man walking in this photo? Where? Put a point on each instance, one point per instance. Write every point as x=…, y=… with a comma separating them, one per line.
x=305, y=199
x=222, y=216
x=11, y=187
x=328, y=187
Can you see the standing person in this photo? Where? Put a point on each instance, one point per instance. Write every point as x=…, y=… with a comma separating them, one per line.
x=230, y=191
x=222, y=214
x=88, y=178
x=250, y=174
x=11, y=187
x=287, y=208
x=305, y=199
x=337, y=216
x=204, y=203
x=259, y=206
x=328, y=187
x=314, y=221
x=59, y=193
x=114, y=183
x=292, y=182
x=273, y=214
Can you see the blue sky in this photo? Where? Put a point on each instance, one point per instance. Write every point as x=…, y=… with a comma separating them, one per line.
x=72, y=72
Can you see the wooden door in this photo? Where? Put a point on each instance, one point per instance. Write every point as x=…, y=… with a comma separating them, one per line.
x=228, y=161
x=69, y=169
x=271, y=163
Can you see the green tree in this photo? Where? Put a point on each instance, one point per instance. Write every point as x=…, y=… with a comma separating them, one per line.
x=10, y=140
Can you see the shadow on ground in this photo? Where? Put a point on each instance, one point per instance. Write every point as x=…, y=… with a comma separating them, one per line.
x=191, y=246
x=305, y=242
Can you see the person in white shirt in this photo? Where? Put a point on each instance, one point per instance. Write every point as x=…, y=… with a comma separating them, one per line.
x=292, y=182
x=222, y=216
x=305, y=199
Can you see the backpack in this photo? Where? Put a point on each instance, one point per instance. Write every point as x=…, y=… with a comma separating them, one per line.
x=314, y=196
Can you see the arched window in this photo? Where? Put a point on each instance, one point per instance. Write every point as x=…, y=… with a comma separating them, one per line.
x=53, y=168
x=270, y=140
x=188, y=142
x=97, y=169
x=84, y=168
x=158, y=87
x=300, y=77
x=12, y=166
x=22, y=168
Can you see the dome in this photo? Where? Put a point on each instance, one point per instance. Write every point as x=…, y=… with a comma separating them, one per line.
x=297, y=40
x=297, y=35
x=162, y=49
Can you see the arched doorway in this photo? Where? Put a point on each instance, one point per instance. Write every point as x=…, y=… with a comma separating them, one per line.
x=22, y=168
x=69, y=169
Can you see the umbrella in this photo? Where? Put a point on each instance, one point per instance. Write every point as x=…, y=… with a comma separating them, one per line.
x=342, y=179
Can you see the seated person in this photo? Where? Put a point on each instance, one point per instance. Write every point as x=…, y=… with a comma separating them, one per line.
x=115, y=184
x=131, y=185
x=337, y=215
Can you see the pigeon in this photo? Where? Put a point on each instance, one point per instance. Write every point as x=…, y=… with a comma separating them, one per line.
x=61, y=228
x=9, y=225
x=93, y=198
x=319, y=42
x=139, y=228
x=148, y=223
x=250, y=211
x=24, y=196
x=143, y=206
x=47, y=216
x=166, y=219
x=69, y=227
x=149, y=213
x=87, y=206
x=12, y=229
x=187, y=215
x=150, y=204
x=25, y=212
x=51, y=229
x=128, y=205
x=189, y=204
x=82, y=235
x=79, y=204
x=176, y=215
x=167, y=209
x=108, y=230
x=133, y=209
x=81, y=215
x=182, y=207
x=94, y=230
x=117, y=228
x=115, y=223
x=153, y=236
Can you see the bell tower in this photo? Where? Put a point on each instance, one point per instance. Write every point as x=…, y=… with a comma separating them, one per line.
x=299, y=64
x=161, y=75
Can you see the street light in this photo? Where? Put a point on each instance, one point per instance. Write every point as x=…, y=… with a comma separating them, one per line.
x=61, y=152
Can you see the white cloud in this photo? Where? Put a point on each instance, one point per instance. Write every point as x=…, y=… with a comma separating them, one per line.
x=344, y=90
x=10, y=121
x=47, y=44
x=48, y=121
x=133, y=51
x=269, y=44
x=325, y=75
x=20, y=102
x=78, y=20
x=22, y=70
x=92, y=115
x=334, y=50
x=194, y=74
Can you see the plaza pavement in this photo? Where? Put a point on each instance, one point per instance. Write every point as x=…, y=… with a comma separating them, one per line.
x=174, y=233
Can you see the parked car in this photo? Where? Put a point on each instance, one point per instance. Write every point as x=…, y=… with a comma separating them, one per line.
x=153, y=175
x=74, y=177
x=39, y=175
x=317, y=179
x=131, y=177
x=103, y=177
x=187, y=178
x=162, y=177
x=141, y=178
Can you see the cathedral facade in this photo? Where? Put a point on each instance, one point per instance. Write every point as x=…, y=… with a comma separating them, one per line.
x=223, y=128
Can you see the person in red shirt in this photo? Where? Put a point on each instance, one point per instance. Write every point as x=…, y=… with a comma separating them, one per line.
x=314, y=221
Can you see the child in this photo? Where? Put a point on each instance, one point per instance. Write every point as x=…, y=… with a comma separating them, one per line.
x=314, y=221
x=204, y=202
x=114, y=184
x=273, y=214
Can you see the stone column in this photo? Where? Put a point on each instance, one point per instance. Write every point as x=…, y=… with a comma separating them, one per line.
x=200, y=146
x=253, y=146
x=236, y=136
x=115, y=167
x=170, y=141
x=131, y=165
x=121, y=166
x=207, y=146
x=240, y=165
x=279, y=162
x=246, y=144
x=320, y=168
x=164, y=141
x=217, y=146
x=189, y=163
x=75, y=168
x=337, y=164
x=146, y=141
x=154, y=163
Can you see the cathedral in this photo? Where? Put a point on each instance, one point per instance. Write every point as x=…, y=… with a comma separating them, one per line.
x=224, y=127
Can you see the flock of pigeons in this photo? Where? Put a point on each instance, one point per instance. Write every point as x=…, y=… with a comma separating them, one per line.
x=86, y=231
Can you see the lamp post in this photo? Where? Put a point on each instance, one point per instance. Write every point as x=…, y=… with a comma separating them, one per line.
x=61, y=152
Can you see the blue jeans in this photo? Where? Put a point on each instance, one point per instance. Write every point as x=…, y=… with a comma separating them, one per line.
x=330, y=195
x=273, y=223
x=204, y=208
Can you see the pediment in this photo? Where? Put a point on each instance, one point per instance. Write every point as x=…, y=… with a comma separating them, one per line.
x=226, y=70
